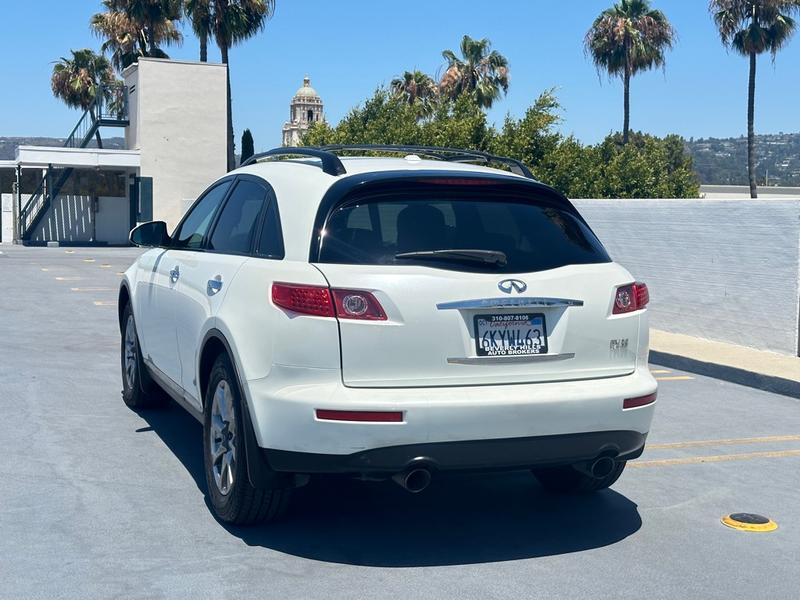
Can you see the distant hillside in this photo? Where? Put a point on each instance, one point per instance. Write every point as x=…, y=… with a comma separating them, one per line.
x=724, y=161
x=8, y=145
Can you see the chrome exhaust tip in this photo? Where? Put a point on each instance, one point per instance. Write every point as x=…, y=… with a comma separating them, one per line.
x=413, y=480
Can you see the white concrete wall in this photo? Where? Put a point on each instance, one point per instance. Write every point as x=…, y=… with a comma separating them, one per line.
x=720, y=269
x=7, y=218
x=72, y=218
x=179, y=124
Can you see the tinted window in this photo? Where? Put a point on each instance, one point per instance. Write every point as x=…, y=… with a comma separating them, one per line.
x=236, y=227
x=192, y=230
x=270, y=245
x=533, y=236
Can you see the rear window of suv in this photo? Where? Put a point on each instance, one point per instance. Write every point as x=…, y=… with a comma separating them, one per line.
x=531, y=236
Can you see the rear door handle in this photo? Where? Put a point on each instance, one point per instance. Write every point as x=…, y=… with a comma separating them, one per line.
x=175, y=274
x=214, y=285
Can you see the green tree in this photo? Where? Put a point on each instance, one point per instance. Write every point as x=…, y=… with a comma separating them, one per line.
x=480, y=72
x=134, y=28
x=628, y=38
x=230, y=22
x=199, y=13
x=247, y=145
x=417, y=89
x=79, y=79
x=752, y=27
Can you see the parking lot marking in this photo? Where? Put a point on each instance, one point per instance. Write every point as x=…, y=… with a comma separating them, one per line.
x=68, y=278
x=726, y=442
x=88, y=260
x=710, y=459
x=660, y=371
x=675, y=378
x=93, y=289
x=104, y=303
x=105, y=266
x=45, y=269
x=69, y=251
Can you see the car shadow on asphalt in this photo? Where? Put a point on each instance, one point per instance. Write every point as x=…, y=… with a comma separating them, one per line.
x=459, y=519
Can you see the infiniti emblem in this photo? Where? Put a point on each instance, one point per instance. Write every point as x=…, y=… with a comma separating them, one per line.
x=512, y=285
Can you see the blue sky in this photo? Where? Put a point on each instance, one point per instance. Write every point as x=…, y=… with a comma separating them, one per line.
x=351, y=46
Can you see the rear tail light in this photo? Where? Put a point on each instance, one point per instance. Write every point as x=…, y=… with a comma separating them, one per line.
x=633, y=296
x=639, y=401
x=356, y=304
x=324, y=302
x=304, y=299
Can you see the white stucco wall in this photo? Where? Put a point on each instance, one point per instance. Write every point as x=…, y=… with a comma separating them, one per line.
x=74, y=218
x=720, y=269
x=6, y=218
x=178, y=123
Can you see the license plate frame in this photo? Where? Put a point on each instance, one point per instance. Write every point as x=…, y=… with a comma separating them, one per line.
x=482, y=324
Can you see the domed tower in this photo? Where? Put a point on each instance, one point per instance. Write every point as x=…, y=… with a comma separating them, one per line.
x=306, y=108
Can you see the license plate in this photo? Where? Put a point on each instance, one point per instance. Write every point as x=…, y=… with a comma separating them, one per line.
x=510, y=335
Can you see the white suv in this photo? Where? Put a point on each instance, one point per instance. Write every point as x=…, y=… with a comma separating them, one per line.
x=387, y=318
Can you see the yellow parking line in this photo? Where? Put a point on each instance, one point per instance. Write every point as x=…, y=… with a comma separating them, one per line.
x=69, y=251
x=105, y=266
x=93, y=289
x=44, y=269
x=104, y=303
x=726, y=442
x=675, y=378
x=709, y=459
x=659, y=371
x=88, y=260
x=68, y=278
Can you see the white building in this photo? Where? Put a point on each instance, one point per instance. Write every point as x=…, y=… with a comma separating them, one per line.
x=174, y=117
x=306, y=108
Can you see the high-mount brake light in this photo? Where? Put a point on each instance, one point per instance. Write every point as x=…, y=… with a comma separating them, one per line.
x=459, y=181
x=321, y=301
x=631, y=297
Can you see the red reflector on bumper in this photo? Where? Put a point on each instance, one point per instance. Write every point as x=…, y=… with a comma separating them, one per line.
x=639, y=401
x=360, y=415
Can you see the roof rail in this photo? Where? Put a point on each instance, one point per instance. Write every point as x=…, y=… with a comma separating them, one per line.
x=330, y=162
x=437, y=152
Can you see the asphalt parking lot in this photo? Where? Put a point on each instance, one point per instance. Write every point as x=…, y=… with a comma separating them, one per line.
x=100, y=501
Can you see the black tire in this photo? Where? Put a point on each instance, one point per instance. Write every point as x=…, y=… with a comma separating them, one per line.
x=236, y=502
x=138, y=389
x=568, y=480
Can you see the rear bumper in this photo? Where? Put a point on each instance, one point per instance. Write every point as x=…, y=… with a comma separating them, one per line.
x=511, y=424
x=473, y=455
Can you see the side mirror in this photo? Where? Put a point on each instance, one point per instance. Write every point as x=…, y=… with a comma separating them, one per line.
x=150, y=235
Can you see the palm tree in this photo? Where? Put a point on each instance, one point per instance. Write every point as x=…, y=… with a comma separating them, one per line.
x=134, y=28
x=415, y=88
x=228, y=22
x=481, y=72
x=752, y=27
x=199, y=13
x=628, y=38
x=78, y=80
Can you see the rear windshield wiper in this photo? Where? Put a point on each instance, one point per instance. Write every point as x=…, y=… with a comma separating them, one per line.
x=488, y=257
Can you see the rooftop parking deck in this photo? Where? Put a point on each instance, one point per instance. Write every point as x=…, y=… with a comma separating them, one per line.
x=100, y=501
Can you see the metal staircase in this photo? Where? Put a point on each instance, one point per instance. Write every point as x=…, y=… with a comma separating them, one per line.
x=110, y=109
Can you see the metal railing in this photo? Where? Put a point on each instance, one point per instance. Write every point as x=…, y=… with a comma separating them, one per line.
x=109, y=109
